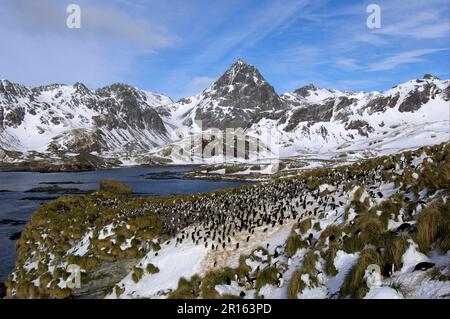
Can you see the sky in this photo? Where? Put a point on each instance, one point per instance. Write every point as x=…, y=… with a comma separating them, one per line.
x=179, y=47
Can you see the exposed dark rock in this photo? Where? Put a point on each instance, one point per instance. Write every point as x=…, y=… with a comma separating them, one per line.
x=380, y=104
x=323, y=131
x=305, y=90
x=242, y=94
x=184, y=101
x=362, y=126
x=343, y=102
x=447, y=93
x=80, y=88
x=125, y=106
x=15, y=116
x=79, y=141
x=12, y=91
x=417, y=98
x=39, y=198
x=311, y=114
x=61, y=183
x=2, y=118
x=428, y=76
x=97, y=282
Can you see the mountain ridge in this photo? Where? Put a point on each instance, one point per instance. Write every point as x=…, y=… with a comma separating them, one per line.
x=126, y=123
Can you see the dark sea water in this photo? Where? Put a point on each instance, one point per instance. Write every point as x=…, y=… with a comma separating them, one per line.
x=17, y=205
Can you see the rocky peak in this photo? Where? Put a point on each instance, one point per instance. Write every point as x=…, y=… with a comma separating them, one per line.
x=240, y=73
x=243, y=86
x=430, y=77
x=12, y=90
x=116, y=89
x=47, y=87
x=126, y=106
x=80, y=88
x=305, y=91
x=243, y=92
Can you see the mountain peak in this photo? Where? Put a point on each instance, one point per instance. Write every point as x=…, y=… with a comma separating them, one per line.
x=305, y=91
x=81, y=88
x=15, y=89
x=430, y=77
x=243, y=92
x=240, y=62
x=240, y=73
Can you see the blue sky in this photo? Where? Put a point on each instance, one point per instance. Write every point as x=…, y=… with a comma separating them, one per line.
x=178, y=47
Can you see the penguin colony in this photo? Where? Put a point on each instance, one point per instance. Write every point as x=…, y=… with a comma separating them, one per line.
x=216, y=219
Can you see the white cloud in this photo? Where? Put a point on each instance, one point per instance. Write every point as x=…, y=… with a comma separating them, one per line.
x=48, y=17
x=402, y=58
x=117, y=25
x=426, y=24
x=258, y=25
x=39, y=48
x=348, y=64
x=200, y=83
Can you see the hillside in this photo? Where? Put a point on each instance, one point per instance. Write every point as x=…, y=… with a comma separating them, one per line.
x=308, y=236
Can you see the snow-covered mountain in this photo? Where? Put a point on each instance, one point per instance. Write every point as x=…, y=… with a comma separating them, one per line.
x=314, y=121
x=127, y=123
x=329, y=119
x=239, y=98
x=72, y=118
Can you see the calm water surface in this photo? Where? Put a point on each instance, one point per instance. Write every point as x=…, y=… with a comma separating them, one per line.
x=17, y=205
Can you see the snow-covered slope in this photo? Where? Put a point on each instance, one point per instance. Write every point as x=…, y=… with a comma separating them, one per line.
x=412, y=114
x=123, y=122
x=311, y=121
x=72, y=118
x=374, y=229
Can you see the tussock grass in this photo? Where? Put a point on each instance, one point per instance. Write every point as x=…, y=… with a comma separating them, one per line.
x=329, y=256
x=267, y=276
x=296, y=284
x=115, y=187
x=152, y=269
x=371, y=229
x=87, y=263
x=433, y=225
x=358, y=206
x=213, y=278
x=395, y=247
x=243, y=267
x=137, y=274
x=389, y=209
x=118, y=290
x=187, y=289
x=354, y=285
x=334, y=230
x=436, y=274
x=333, y=246
x=293, y=243
x=305, y=225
